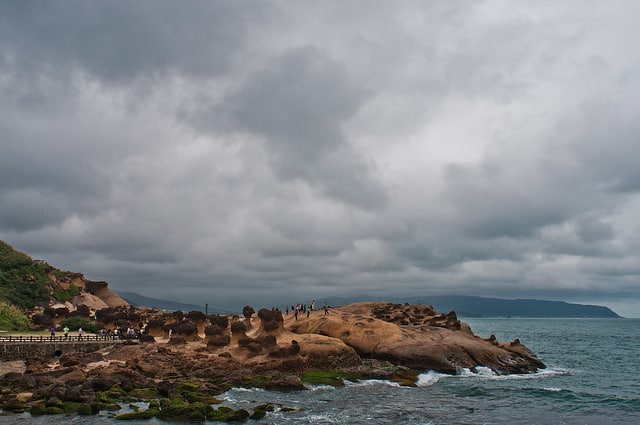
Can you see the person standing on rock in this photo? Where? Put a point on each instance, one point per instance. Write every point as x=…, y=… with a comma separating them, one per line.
x=52, y=330
x=326, y=308
x=66, y=332
x=80, y=333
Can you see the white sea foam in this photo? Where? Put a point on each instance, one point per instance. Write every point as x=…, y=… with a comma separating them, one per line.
x=371, y=382
x=553, y=389
x=236, y=395
x=321, y=387
x=481, y=372
x=429, y=378
x=322, y=419
x=246, y=390
x=487, y=373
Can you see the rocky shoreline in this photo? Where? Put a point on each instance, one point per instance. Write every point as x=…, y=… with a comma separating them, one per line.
x=182, y=362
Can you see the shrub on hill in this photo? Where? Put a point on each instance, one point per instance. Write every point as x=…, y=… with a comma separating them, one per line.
x=62, y=295
x=75, y=322
x=22, y=280
x=12, y=319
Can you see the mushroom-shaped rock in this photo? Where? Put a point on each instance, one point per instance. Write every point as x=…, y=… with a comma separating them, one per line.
x=156, y=327
x=253, y=346
x=238, y=330
x=186, y=329
x=292, y=349
x=271, y=321
x=198, y=318
x=177, y=340
x=147, y=338
x=218, y=340
x=215, y=332
x=247, y=312
x=220, y=321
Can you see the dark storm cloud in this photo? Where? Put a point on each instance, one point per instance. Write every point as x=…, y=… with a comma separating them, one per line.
x=298, y=104
x=43, y=180
x=606, y=143
x=121, y=40
x=495, y=204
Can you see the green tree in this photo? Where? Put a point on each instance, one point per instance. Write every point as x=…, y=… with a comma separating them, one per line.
x=75, y=322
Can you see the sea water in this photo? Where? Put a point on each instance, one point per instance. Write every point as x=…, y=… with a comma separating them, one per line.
x=593, y=377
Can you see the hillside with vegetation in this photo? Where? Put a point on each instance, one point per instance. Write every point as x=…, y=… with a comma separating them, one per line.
x=25, y=283
x=37, y=295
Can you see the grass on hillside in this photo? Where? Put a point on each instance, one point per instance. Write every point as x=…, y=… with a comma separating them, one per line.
x=23, y=281
x=12, y=319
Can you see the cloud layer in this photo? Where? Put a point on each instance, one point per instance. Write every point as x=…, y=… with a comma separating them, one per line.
x=242, y=152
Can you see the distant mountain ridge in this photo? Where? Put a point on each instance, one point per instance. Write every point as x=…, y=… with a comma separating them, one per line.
x=472, y=306
x=463, y=305
x=140, y=300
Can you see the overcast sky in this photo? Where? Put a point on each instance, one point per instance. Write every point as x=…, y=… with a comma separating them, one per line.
x=271, y=152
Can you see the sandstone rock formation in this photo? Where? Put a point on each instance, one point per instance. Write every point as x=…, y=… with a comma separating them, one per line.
x=416, y=337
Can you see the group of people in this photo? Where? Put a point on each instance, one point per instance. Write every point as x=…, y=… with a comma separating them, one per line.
x=117, y=333
x=303, y=308
x=66, y=330
x=121, y=333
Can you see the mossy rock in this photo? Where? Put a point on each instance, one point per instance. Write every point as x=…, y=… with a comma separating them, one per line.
x=208, y=399
x=254, y=381
x=14, y=405
x=180, y=410
x=71, y=406
x=227, y=414
x=193, y=393
x=187, y=387
x=167, y=403
x=143, y=393
x=109, y=407
x=143, y=414
x=258, y=414
x=54, y=402
x=405, y=377
x=189, y=391
x=38, y=410
x=111, y=396
x=88, y=409
x=54, y=411
x=329, y=377
x=261, y=410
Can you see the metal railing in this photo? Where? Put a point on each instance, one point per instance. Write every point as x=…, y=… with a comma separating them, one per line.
x=61, y=338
